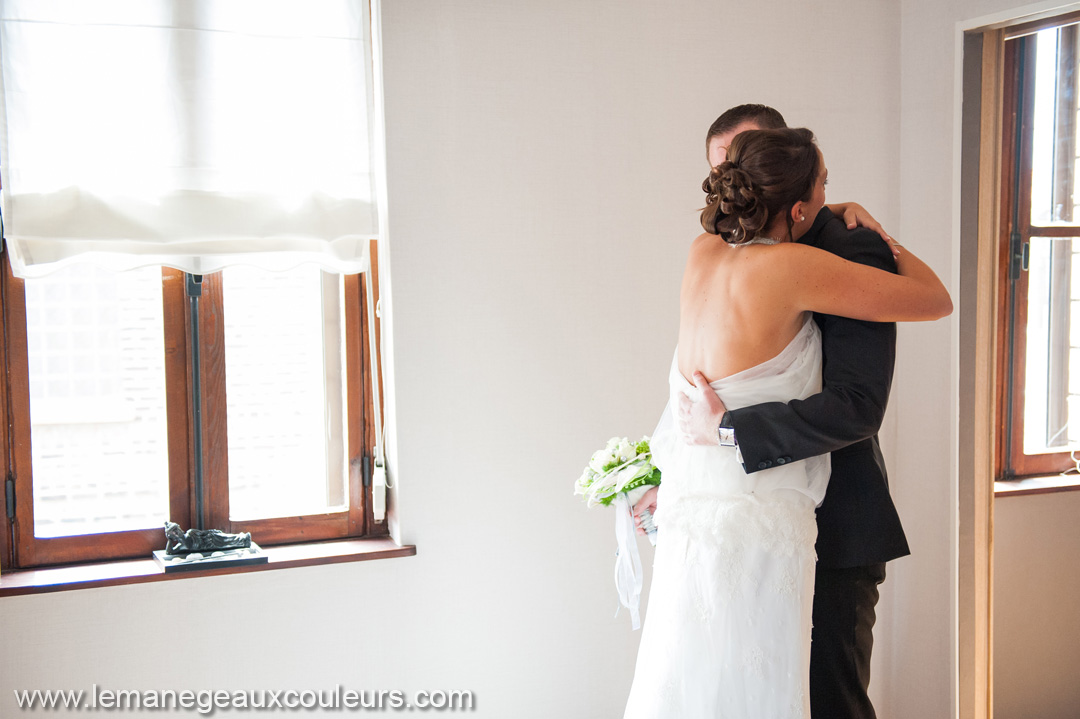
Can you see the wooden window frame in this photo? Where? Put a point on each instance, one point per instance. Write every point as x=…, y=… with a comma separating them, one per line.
x=1016, y=232
x=20, y=549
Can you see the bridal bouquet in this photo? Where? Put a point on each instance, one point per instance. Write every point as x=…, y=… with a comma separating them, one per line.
x=620, y=474
x=621, y=466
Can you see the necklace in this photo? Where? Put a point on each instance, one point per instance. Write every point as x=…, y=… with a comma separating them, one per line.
x=761, y=240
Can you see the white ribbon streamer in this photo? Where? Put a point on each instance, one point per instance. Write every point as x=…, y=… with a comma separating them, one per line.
x=628, y=575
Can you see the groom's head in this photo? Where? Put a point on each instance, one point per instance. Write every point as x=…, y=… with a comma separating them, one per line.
x=731, y=123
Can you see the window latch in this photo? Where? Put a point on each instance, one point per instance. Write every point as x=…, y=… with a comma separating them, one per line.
x=1020, y=253
x=9, y=496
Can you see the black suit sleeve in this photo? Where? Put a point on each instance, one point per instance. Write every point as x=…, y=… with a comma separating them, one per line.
x=856, y=376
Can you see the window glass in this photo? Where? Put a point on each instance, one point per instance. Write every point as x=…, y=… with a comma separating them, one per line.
x=97, y=401
x=285, y=395
x=1052, y=381
x=1054, y=192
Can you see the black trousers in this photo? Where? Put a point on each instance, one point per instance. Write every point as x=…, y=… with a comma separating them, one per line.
x=842, y=639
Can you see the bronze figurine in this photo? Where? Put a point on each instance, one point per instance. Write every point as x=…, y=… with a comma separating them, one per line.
x=180, y=543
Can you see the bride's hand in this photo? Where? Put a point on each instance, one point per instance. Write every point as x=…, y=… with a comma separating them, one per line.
x=855, y=215
x=699, y=421
x=646, y=503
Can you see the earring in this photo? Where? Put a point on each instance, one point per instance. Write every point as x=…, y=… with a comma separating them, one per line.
x=802, y=218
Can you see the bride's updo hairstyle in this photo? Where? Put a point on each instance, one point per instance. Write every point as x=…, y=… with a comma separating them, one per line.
x=766, y=173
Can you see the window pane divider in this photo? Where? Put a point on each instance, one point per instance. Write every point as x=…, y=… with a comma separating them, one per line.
x=1058, y=230
x=193, y=285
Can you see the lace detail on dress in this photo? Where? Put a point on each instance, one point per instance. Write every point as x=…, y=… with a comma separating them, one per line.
x=754, y=660
x=670, y=690
x=798, y=701
x=786, y=584
x=703, y=609
x=732, y=524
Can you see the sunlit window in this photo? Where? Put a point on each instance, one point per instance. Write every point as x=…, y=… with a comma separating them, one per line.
x=97, y=401
x=190, y=206
x=284, y=350
x=1040, y=408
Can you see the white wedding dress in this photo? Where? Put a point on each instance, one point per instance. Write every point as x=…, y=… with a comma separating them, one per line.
x=727, y=627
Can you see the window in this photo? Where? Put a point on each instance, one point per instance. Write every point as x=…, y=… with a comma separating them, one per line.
x=246, y=135
x=101, y=439
x=1039, y=276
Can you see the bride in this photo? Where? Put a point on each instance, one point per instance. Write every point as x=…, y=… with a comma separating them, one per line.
x=727, y=632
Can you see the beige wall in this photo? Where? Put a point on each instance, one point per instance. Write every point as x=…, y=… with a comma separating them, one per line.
x=544, y=160
x=1036, y=585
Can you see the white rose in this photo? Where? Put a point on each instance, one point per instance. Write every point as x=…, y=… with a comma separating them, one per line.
x=583, y=482
x=626, y=451
x=599, y=459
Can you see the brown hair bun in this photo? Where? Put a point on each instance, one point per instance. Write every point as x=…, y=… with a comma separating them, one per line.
x=766, y=173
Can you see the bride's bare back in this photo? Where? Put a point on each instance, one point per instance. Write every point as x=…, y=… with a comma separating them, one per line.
x=741, y=302
x=733, y=312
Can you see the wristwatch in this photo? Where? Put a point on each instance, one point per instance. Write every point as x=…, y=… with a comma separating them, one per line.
x=726, y=432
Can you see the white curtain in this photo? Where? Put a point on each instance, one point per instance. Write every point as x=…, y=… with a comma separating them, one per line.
x=189, y=133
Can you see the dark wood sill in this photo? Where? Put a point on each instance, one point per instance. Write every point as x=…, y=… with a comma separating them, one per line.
x=139, y=571
x=1037, y=485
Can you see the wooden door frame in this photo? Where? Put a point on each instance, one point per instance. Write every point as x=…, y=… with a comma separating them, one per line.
x=978, y=224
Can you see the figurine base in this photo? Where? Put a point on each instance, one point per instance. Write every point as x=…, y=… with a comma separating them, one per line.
x=216, y=560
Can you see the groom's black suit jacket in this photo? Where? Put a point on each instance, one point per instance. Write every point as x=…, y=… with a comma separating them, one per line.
x=857, y=523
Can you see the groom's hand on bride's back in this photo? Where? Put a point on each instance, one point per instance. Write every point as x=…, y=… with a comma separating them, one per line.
x=700, y=419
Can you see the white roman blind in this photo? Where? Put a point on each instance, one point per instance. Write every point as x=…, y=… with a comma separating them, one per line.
x=189, y=133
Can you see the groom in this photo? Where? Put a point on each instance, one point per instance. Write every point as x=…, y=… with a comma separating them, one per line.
x=858, y=527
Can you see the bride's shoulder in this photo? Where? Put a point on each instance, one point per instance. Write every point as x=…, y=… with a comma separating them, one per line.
x=704, y=240
x=704, y=247
x=786, y=258
x=796, y=251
